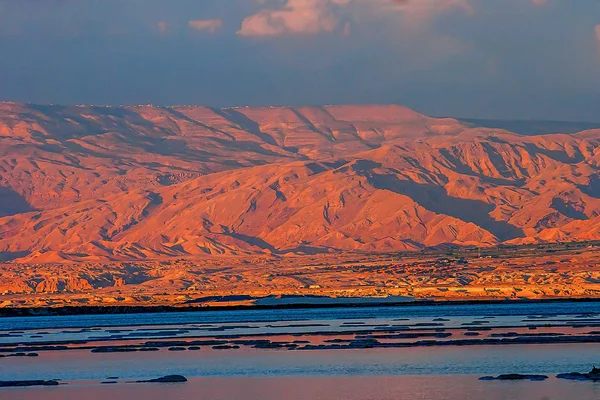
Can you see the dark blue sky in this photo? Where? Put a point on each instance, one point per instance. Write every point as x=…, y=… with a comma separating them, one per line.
x=509, y=59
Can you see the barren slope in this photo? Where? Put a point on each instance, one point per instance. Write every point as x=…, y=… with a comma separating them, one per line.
x=132, y=183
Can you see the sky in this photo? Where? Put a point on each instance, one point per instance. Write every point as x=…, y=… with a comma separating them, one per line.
x=501, y=59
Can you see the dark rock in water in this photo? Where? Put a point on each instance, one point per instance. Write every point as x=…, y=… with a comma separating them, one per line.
x=514, y=377
x=113, y=349
x=109, y=382
x=263, y=344
x=194, y=348
x=28, y=383
x=573, y=376
x=593, y=375
x=166, y=379
x=363, y=343
x=32, y=354
x=225, y=347
x=176, y=348
x=472, y=333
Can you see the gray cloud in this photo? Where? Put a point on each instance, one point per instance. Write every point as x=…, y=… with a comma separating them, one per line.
x=473, y=58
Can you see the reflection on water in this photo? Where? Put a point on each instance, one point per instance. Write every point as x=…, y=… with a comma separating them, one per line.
x=322, y=388
x=485, y=360
x=578, y=317
x=411, y=373
x=178, y=318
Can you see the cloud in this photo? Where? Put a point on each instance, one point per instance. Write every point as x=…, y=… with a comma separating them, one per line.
x=310, y=17
x=162, y=26
x=206, y=25
x=295, y=17
x=597, y=29
x=420, y=11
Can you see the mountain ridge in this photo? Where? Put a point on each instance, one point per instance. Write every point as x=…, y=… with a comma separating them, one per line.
x=134, y=183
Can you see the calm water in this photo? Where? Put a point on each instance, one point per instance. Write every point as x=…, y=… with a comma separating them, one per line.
x=358, y=313
x=469, y=360
x=321, y=388
x=428, y=373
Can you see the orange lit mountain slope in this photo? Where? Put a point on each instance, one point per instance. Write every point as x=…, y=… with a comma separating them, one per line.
x=134, y=183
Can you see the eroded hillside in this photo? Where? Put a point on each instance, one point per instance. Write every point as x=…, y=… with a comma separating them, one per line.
x=145, y=183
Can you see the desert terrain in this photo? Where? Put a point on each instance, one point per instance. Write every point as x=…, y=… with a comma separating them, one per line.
x=499, y=273
x=167, y=205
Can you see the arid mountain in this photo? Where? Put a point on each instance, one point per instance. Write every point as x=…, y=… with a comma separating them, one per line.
x=133, y=183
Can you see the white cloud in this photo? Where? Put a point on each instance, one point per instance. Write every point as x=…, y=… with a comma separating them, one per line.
x=294, y=17
x=303, y=17
x=206, y=25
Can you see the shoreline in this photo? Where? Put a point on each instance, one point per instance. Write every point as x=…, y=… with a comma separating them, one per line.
x=141, y=309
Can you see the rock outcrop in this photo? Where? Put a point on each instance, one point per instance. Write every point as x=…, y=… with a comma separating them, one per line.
x=514, y=377
x=166, y=379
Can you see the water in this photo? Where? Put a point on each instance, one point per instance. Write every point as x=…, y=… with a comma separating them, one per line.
x=321, y=388
x=470, y=360
x=428, y=373
x=358, y=313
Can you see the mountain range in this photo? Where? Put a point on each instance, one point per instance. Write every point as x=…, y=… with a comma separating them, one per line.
x=86, y=183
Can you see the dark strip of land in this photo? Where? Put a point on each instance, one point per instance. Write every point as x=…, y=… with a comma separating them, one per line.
x=95, y=310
